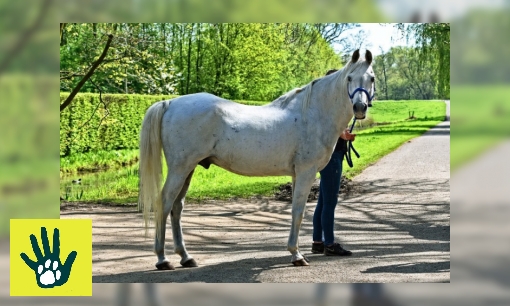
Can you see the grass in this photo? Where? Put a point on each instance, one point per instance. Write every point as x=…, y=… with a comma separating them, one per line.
x=95, y=161
x=121, y=185
x=398, y=111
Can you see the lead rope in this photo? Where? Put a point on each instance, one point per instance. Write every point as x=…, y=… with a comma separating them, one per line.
x=350, y=147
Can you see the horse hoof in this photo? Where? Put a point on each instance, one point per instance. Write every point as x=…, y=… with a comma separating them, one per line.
x=190, y=263
x=165, y=266
x=301, y=262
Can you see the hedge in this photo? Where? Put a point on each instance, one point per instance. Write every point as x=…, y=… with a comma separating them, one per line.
x=87, y=126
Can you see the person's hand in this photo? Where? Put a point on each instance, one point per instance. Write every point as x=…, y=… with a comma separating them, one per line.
x=346, y=135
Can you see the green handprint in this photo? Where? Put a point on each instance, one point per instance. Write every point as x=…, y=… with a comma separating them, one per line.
x=49, y=271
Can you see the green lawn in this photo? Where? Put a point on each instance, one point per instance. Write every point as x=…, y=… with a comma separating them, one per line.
x=398, y=111
x=81, y=162
x=121, y=185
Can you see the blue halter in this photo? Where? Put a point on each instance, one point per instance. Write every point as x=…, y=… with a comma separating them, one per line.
x=349, y=143
x=370, y=98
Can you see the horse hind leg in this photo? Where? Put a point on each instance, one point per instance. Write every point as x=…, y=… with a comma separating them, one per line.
x=175, y=216
x=171, y=190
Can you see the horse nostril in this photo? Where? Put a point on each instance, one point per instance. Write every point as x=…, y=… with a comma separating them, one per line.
x=365, y=107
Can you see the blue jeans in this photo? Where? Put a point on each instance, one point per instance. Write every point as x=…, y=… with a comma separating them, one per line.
x=324, y=216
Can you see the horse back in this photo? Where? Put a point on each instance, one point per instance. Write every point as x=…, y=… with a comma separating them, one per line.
x=248, y=140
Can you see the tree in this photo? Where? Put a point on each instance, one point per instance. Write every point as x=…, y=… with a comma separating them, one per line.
x=233, y=60
x=433, y=42
x=384, y=62
x=401, y=75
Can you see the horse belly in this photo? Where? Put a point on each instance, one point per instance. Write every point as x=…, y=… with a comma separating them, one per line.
x=255, y=156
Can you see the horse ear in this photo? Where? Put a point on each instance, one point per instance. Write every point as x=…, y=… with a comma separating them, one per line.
x=368, y=57
x=355, y=56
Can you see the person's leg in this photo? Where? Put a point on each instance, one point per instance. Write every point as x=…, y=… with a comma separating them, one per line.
x=330, y=185
x=317, y=215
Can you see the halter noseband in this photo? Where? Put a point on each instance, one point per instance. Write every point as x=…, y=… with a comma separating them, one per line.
x=370, y=98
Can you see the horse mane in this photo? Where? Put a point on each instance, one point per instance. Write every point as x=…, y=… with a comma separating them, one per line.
x=283, y=101
x=339, y=76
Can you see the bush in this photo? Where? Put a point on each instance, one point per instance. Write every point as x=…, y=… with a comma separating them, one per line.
x=87, y=125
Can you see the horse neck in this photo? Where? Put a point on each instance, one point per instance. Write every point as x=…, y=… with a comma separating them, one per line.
x=333, y=105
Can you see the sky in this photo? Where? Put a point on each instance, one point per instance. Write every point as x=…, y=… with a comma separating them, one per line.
x=382, y=36
x=379, y=36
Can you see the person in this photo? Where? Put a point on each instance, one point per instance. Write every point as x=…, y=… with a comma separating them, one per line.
x=324, y=215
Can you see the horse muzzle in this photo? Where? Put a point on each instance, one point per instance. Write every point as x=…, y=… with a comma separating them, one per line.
x=360, y=110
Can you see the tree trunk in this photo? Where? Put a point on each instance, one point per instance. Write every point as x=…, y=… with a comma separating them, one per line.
x=188, y=75
x=197, y=63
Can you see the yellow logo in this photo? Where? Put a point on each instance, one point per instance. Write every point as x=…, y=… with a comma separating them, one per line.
x=51, y=257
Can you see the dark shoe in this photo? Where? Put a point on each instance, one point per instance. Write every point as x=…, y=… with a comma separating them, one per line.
x=318, y=248
x=336, y=250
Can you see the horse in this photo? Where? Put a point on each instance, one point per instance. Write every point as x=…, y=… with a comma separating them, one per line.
x=292, y=136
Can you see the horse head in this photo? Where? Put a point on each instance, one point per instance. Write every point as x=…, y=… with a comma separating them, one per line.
x=360, y=80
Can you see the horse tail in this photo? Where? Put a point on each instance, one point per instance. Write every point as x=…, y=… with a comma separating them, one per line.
x=151, y=165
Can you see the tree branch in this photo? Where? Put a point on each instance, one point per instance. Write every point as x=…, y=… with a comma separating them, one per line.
x=87, y=75
x=107, y=111
x=71, y=76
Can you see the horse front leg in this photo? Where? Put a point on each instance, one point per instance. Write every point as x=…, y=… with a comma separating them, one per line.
x=302, y=185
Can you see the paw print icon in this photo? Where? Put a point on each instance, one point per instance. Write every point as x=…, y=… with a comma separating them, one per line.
x=49, y=270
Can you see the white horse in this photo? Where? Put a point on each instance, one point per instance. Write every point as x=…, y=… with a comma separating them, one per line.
x=294, y=135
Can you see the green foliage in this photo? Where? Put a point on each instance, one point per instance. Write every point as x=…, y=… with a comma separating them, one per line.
x=401, y=75
x=88, y=125
x=433, y=46
x=250, y=61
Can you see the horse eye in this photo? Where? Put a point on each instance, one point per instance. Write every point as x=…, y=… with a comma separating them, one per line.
x=349, y=79
x=372, y=79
